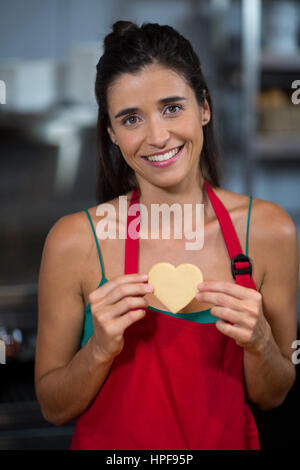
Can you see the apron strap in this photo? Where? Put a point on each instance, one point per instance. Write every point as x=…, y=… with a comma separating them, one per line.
x=131, y=243
x=241, y=266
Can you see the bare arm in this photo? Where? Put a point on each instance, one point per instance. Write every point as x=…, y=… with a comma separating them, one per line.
x=263, y=323
x=269, y=372
x=62, y=373
x=67, y=379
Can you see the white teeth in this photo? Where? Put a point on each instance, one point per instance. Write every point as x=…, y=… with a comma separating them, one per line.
x=165, y=156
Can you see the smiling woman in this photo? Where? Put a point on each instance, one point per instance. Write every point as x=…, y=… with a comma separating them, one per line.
x=173, y=130
x=157, y=88
x=133, y=374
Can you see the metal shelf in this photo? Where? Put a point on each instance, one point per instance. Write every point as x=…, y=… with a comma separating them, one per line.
x=279, y=63
x=257, y=63
x=267, y=62
x=268, y=147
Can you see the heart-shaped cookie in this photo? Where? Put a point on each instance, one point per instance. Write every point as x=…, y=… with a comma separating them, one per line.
x=175, y=287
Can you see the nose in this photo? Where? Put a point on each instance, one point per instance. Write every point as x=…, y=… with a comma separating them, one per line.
x=157, y=134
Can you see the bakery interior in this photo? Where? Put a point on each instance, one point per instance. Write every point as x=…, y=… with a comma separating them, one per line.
x=250, y=53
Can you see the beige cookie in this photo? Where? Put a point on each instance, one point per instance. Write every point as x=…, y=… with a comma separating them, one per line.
x=175, y=287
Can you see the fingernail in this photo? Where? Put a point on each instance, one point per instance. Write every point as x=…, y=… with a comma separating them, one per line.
x=149, y=288
x=144, y=276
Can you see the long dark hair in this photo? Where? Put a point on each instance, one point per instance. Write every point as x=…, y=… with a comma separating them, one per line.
x=127, y=49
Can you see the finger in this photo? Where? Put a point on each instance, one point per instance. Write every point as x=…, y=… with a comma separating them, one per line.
x=230, y=288
x=115, y=282
x=220, y=299
x=122, y=307
x=121, y=291
x=119, y=325
x=233, y=316
x=235, y=332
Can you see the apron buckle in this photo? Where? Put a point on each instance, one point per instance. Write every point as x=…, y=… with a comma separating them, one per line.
x=241, y=258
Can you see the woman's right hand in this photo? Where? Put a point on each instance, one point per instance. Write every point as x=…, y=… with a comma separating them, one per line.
x=112, y=311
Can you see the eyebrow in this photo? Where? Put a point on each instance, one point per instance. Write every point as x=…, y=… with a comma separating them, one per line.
x=161, y=101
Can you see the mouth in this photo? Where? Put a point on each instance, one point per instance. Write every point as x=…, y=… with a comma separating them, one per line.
x=166, y=158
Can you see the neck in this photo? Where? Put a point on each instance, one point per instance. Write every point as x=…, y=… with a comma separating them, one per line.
x=183, y=193
x=151, y=197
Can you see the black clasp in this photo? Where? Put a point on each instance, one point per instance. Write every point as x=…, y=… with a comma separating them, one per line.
x=239, y=258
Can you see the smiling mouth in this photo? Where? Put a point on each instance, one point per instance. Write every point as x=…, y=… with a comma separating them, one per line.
x=164, y=156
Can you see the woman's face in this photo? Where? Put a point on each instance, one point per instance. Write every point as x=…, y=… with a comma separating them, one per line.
x=164, y=115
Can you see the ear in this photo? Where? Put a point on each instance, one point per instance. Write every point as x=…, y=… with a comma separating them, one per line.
x=205, y=113
x=111, y=134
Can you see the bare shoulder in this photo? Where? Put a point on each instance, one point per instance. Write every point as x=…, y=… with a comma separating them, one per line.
x=272, y=236
x=232, y=201
x=111, y=209
x=272, y=221
x=275, y=241
x=266, y=216
x=69, y=235
x=66, y=249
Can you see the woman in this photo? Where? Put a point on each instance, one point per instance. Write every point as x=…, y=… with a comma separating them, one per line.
x=108, y=353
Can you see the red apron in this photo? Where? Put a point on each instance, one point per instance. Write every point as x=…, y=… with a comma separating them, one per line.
x=177, y=384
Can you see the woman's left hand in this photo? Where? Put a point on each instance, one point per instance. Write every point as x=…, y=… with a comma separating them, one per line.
x=240, y=313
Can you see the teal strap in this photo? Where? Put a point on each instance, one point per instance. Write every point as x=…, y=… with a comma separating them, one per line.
x=248, y=225
x=99, y=253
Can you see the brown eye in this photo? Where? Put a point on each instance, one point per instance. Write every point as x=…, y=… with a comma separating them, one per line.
x=173, y=106
x=128, y=120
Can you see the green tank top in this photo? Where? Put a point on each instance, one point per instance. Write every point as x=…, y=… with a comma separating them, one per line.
x=204, y=316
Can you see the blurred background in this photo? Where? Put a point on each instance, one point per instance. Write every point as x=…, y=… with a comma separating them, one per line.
x=250, y=53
